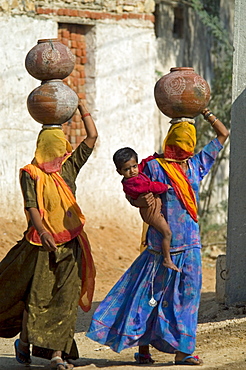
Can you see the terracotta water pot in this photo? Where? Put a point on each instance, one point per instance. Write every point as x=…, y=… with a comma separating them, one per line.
x=52, y=102
x=181, y=93
x=50, y=59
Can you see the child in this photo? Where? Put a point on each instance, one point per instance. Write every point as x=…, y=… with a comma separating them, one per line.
x=135, y=182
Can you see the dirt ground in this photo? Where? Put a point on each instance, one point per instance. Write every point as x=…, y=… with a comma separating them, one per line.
x=221, y=337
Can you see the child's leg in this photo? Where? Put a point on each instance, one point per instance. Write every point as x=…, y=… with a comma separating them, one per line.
x=153, y=216
x=161, y=225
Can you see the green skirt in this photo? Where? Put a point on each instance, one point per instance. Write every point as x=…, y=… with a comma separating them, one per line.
x=48, y=286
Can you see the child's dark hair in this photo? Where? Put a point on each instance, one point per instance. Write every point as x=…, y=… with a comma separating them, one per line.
x=124, y=155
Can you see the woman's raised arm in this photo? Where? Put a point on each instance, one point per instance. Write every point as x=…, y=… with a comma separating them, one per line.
x=90, y=127
x=219, y=128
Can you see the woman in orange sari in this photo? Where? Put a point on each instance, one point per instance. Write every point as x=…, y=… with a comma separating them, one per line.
x=51, y=269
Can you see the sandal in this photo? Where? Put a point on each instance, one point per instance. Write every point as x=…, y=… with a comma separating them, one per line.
x=143, y=358
x=26, y=359
x=185, y=362
x=60, y=363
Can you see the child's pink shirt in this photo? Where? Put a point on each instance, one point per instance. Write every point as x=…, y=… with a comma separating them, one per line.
x=134, y=186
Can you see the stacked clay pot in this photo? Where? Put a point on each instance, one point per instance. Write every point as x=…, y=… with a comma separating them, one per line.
x=181, y=93
x=52, y=102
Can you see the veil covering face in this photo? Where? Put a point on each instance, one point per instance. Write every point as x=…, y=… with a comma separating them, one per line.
x=52, y=150
x=178, y=146
x=180, y=142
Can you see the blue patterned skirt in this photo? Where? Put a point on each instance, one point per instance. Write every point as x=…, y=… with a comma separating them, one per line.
x=126, y=319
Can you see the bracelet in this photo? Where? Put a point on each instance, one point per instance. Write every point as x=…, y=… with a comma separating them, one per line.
x=85, y=115
x=213, y=122
x=42, y=233
x=208, y=114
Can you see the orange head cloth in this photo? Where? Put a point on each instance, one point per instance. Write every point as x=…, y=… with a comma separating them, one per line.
x=178, y=146
x=180, y=142
x=52, y=149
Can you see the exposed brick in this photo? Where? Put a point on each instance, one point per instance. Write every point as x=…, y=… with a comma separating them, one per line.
x=65, y=41
x=68, y=130
x=76, y=119
x=60, y=12
x=78, y=52
x=82, y=74
x=73, y=36
x=64, y=127
x=73, y=132
x=117, y=17
x=72, y=139
x=80, y=67
x=81, y=95
x=84, y=60
x=149, y=17
x=40, y=11
x=83, y=131
x=48, y=11
x=81, y=81
x=74, y=13
x=66, y=12
x=75, y=81
x=87, y=14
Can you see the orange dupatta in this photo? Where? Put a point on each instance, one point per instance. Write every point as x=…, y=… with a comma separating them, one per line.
x=181, y=185
x=63, y=219
x=178, y=146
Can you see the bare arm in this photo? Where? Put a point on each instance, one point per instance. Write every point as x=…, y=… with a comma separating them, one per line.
x=46, y=238
x=90, y=127
x=219, y=128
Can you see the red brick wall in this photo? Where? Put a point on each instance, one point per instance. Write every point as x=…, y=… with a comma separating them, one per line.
x=73, y=36
x=94, y=15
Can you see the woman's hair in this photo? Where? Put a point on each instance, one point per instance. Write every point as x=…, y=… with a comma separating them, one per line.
x=124, y=155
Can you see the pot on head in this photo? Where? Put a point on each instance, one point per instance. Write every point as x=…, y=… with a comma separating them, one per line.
x=181, y=93
x=52, y=102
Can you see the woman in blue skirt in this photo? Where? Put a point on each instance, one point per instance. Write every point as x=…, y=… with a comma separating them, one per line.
x=151, y=304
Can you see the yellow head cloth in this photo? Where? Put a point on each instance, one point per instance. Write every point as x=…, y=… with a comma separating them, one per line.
x=178, y=146
x=180, y=142
x=52, y=149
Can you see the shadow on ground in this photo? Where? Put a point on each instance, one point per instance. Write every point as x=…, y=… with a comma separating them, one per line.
x=211, y=311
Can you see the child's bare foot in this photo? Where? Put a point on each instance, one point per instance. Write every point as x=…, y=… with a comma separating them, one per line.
x=170, y=265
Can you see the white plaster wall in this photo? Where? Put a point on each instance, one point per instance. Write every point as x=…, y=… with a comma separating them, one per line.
x=18, y=131
x=121, y=90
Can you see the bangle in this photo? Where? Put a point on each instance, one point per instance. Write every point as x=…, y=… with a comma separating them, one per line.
x=42, y=233
x=208, y=114
x=85, y=115
x=213, y=122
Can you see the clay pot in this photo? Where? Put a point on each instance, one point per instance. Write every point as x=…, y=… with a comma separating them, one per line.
x=181, y=93
x=50, y=59
x=52, y=102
